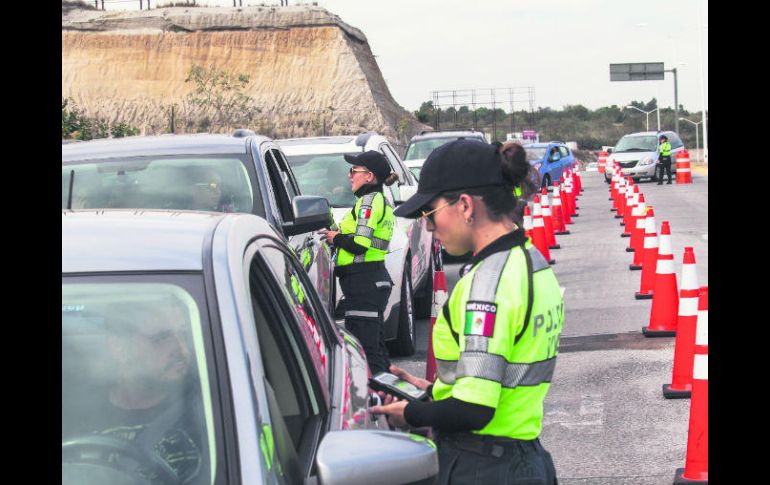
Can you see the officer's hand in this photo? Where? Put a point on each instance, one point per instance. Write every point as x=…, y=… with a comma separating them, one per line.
x=415, y=381
x=329, y=235
x=395, y=412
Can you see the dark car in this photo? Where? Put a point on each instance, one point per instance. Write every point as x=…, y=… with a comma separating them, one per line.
x=218, y=173
x=195, y=350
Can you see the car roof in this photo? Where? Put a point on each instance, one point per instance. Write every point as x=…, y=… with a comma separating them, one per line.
x=137, y=146
x=318, y=145
x=115, y=240
x=540, y=145
x=650, y=133
x=448, y=134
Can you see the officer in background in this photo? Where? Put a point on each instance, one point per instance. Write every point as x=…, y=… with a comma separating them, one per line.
x=664, y=159
x=496, y=339
x=362, y=242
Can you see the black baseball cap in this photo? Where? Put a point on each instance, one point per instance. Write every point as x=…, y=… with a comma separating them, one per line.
x=374, y=161
x=458, y=165
x=662, y=137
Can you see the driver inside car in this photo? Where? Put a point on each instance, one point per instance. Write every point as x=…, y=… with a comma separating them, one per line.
x=152, y=400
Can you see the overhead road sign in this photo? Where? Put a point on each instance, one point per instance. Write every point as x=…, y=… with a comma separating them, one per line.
x=637, y=71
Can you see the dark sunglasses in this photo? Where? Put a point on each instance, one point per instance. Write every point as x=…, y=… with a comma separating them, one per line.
x=430, y=214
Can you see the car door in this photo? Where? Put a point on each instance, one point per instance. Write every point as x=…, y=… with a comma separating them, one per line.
x=567, y=159
x=312, y=250
x=554, y=165
x=294, y=350
x=419, y=237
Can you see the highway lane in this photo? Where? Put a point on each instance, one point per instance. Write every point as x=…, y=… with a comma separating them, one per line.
x=605, y=420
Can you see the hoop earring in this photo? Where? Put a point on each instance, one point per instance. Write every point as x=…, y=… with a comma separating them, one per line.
x=469, y=220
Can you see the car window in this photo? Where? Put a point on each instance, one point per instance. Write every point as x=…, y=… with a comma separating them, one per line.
x=280, y=190
x=286, y=177
x=416, y=172
x=395, y=164
x=420, y=149
x=298, y=409
x=564, y=151
x=535, y=154
x=324, y=175
x=137, y=374
x=215, y=183
x=675, y=141
x=636, y=144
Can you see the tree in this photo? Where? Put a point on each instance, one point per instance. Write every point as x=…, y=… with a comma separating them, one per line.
x=220, y=93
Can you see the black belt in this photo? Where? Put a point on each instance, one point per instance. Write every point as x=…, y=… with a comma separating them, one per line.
x=485, y=445
x=355, y=268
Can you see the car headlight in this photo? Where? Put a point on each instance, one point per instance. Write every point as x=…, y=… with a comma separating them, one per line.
x=646, y=161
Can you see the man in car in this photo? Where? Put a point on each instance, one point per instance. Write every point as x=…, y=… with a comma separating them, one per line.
x=207, y=191
x=152, y=402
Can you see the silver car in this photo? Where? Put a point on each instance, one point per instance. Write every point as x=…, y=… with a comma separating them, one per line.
x=195, y=350
x=320, y=169
x=637, y=154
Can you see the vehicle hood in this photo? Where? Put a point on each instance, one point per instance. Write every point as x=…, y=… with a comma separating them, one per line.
x=630, y=156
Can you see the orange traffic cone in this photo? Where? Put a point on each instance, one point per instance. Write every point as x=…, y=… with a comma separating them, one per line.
x=621, y=200
x=696, y=465
x=632, y=198
x=538, y=231
x=650, y=257
x=578, y=182
x=638, y=225
x=613, y=189
x=565, y=205
x=683, y=173
x=665, y=300
x=570, y=198
x=681, y=379
x=557, y=212
x=548, y=220
x=603, y=161
x=440, y=296
x=527, y=222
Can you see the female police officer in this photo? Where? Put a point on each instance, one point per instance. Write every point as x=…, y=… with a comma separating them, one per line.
x=496, y=339
x=362, y=243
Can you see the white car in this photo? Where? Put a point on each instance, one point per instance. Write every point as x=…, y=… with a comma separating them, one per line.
x=592, y=167
x=320, y=169
x=420, y=146
x=414, y=166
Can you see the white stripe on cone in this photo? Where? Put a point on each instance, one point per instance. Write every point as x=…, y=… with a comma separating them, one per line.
x=664, y=266
x=688, y=307
x=700, y=369
x=527, y=223
x=682, y=170
x=689, y=278
x=539, y=222
x=702, y=329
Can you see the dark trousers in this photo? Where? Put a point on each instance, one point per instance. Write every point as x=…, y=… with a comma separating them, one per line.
x=665, y=164
x=366, y=295
x=487, y=459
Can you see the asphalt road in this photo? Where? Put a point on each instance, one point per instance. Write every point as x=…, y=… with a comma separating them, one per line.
x=605, y=419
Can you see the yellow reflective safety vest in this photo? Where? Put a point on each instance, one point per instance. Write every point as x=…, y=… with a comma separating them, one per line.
x=371, y=222
x=497, y=338
x=665, y=149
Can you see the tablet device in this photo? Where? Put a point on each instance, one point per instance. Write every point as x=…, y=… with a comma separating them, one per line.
x=391, y=384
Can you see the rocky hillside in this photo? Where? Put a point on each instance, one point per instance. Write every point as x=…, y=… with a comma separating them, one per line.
x=301, y=61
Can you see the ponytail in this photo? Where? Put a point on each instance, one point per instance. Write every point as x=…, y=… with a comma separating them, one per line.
x=391, y=179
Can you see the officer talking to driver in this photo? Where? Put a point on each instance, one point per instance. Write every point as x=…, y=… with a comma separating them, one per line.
x=362, y=241
x=497, y=337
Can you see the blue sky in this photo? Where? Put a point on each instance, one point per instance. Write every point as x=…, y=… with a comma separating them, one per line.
x=562, y=48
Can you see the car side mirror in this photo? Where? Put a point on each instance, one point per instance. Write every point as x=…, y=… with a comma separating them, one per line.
x=310, y=213
x=405, y=193
x=352, y=457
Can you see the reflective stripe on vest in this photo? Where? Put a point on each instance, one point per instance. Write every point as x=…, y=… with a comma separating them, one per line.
x=484, y=366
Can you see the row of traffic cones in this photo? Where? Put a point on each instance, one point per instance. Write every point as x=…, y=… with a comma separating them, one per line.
x=684, y=315
x=547, y=220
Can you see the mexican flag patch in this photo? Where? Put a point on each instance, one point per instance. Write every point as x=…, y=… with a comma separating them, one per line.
x=364, y=213
x=480, y=318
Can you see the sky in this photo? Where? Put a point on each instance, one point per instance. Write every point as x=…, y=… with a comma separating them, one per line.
x=561, y=48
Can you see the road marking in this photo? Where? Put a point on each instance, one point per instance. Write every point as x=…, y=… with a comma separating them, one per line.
x=588, y=419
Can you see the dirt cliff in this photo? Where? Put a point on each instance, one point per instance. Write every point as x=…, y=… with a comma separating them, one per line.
x=307, y=68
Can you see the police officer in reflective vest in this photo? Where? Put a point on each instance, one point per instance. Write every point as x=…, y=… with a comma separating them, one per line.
x=496, y=339
x=664, y=159
x=362, y=242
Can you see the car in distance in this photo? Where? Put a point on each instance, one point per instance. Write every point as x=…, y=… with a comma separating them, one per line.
x=219, y=173
x=420, y=146
x=550, y=160
x=637, y=154
x=592, y=167
x=195, y=350
x=321, y=170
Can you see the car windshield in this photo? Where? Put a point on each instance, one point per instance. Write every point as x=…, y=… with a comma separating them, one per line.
x=420, y=149
x=324, y=175
x=218, y=183
x=415, y=171
x=136, y=392
x=637, y=144
x=535, y=154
